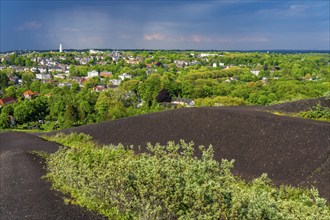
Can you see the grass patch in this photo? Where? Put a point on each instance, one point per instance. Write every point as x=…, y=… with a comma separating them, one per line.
x=41, y=154
x=169, y=182
x=317, y=113
x=23, y=130
x=73, y=140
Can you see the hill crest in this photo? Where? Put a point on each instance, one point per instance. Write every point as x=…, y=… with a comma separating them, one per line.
x=291, y=150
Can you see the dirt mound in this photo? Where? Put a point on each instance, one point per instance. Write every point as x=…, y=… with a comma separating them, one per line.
x=298, y=106
x=291, y=150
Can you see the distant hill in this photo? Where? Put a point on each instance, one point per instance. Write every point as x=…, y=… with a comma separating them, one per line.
x=291, y=150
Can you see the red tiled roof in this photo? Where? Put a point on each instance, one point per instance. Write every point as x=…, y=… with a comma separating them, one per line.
x=106, y=74
x=28, y=92
x=7, y=100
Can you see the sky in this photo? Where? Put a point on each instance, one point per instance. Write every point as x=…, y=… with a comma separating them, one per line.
x=165, y=24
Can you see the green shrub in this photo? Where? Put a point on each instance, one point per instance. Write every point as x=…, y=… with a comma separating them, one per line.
x=73, y=140
x=169, y=182
x=317, y=112
x=220, y=101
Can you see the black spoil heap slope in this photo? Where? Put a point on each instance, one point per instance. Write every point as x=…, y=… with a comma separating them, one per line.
x=291, y=150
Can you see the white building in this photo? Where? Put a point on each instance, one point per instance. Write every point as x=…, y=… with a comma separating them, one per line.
x=255, y=72
x=125, y=76
x=59, y=76
x=115, y=82
x=60, y=48
x=183, y=102
x=67, y=84
x=43, y=76
x=92, y=74
x=207, y=55
x=91, y=51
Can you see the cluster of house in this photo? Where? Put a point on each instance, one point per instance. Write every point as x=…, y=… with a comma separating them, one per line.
x=49, y=69
x=99, y=87
x=51, y=65
x=28, y=94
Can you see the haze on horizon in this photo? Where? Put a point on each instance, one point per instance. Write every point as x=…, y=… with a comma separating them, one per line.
x=160, y=24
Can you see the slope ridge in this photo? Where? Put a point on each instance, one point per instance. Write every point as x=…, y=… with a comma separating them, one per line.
x=289, y=149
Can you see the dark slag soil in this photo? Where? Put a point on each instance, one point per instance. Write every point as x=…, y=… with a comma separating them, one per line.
x=23, y=194
x=298, y=106
x=290, y=150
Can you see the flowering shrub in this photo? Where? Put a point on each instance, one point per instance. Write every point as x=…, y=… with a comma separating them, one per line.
x=170, y=182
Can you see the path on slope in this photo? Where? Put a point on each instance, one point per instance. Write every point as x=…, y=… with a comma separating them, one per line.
x=292, y=151
x=23, y=194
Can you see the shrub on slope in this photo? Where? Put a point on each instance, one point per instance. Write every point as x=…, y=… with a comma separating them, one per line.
x=169, y=182
x=317, y=112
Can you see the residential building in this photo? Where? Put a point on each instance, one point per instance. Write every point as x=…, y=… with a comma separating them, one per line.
x=99, y=88
x=115, y=82
x=106, y=74
x=92, y=73
x=125, y=76
x=28, y=94
x=184, y=102
x=64, y=84
x=7, y=100
x=43, y=76
x=255, y=72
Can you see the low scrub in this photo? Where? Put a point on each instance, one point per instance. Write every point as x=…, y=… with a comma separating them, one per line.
x=317, y=112
x=220, y=101
x=169, y=182
x=73, y=140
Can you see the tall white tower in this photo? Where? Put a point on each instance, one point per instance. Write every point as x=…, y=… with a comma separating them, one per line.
x=60, y=48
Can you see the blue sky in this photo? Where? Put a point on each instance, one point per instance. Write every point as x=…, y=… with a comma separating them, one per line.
x=161, y=24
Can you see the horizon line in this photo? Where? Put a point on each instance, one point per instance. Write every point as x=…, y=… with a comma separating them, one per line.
x=145, y=49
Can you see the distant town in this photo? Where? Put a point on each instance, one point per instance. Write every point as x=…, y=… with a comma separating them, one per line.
x=140, y=81
x=56, y=65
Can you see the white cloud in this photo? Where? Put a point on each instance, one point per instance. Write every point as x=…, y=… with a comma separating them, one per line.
x=299, y=7
x=154, y=36
x=31, y=25
x=68, y=29
x=200, y=38
x=253, y=39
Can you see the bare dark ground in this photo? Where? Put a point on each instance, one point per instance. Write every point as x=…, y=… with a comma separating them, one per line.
x=292, y=151
x=298, y=106
x=23, y=194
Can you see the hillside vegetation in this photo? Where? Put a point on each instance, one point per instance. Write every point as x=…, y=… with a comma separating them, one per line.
x=51, y=91
x=290, y=150
x=169, y=182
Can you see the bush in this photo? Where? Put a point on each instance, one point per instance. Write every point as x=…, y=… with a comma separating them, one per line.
x=317, y=112
x=73, y=140
x=220, y=101
x=169, y=182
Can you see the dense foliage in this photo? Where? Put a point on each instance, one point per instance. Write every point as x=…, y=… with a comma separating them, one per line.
x=318, y=112
x=220, y=78
x=169, y=182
